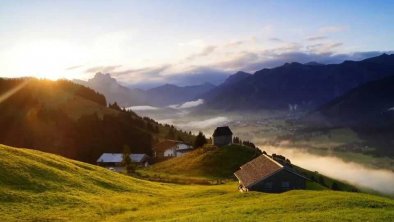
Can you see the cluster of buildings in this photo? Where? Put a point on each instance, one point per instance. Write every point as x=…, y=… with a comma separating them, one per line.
x=163, y=150
x=264, y=173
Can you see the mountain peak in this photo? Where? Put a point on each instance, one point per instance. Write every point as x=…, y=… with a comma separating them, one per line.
x=313, y=63
x=238, y=76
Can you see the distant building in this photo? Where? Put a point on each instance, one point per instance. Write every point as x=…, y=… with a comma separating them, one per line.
x=267, y=175
x=114, y=160
x=171, y=148
x=222, y=136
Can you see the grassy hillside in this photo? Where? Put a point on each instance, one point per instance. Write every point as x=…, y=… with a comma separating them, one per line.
x=208, y=162
x=36, y=186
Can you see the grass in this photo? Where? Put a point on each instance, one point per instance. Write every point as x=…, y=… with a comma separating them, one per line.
x=209, y=162
x=36, y=186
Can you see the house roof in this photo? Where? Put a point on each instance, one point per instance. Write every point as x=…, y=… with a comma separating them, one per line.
x=222, y=131
x=257, y=169
x=165, y=145
x=118, y=157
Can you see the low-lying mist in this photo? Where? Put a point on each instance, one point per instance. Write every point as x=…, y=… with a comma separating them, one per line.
x=377, y=179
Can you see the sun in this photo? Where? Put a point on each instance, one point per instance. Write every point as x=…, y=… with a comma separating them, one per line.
x=46, y=58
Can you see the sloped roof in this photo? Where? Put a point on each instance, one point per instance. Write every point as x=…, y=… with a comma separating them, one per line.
x=257, y=170
x=118, y=157
x=165, y=145
x=222, y=131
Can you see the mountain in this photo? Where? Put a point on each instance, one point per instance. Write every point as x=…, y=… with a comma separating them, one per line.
x=31, y=181
x=369, y=105
x=169, y=94
x=308, y=86
x=115, y=92
x=72, y=120
x=164, y=95
x=368, y=110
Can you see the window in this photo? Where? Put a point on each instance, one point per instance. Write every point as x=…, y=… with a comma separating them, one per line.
x=268, y=185
x=285, y=184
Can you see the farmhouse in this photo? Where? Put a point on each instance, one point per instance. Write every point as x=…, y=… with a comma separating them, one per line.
x=171, y=148
x=222, y=136
x=267, y=175
x=114, y=160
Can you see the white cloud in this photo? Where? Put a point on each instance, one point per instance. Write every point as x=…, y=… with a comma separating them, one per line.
x=141, y=108
x=189, y=104
x=202, y=124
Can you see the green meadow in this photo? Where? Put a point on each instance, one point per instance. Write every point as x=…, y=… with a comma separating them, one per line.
x=36, y=186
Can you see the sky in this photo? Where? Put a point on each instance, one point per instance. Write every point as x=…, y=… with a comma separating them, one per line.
x=184, y=41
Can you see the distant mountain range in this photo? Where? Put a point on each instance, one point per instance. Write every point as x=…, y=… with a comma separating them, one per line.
x=370, y=105
x=164, y=95
x=308, y=85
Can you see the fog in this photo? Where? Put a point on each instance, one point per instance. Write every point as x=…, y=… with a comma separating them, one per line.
x=256, y=127
x=198, y=124
x=353, y=173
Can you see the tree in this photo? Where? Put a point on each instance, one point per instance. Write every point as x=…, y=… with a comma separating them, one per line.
x=200, y=140
x=171, y=133
x=334, y=186
x=321, y=181
x=126, y=162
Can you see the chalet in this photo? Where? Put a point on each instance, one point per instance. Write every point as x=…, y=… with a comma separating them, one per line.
x=114, y=160
x=171, y=148
x=222, y=136
x=268, y=175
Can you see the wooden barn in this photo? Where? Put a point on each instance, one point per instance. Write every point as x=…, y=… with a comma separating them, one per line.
x=268, y=175
x=222, y=136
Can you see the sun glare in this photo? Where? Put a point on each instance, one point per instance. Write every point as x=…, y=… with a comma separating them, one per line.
x=47, y=59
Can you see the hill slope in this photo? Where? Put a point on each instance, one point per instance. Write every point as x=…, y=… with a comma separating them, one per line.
x=71, y=120
x=36, y=186
x=208, y=162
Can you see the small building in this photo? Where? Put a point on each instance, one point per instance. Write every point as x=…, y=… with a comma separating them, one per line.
x=171, y=148
x=222, y=136
x=267, y=175
x=114, y=160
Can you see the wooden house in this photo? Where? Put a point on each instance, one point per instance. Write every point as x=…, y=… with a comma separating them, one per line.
x=268, y=175
x=222, y=136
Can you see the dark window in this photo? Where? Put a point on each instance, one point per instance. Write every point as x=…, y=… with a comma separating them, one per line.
x=268, y=185
x=285, y=184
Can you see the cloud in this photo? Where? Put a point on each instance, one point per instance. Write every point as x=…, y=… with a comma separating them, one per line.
x=275, y=39
x=205, y=52
x=103, y=69
x=187, y=105
x=147, y=71
x=74, y=67
x=324, y=47
x=207, y=123
x=316, y=38
x=141, y=108
x=378, y=179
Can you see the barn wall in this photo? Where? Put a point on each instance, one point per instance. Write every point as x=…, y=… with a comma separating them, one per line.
x=277, y=183
x=222, y=140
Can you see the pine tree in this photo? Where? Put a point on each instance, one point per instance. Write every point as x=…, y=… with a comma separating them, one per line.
x=200, y=140
x=126, y=162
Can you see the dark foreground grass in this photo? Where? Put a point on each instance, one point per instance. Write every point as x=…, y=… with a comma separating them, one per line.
x=36, y=186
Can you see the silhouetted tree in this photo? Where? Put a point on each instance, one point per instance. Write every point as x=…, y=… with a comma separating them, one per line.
x=334, y=186
x=200, y=140
x=126, y=162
